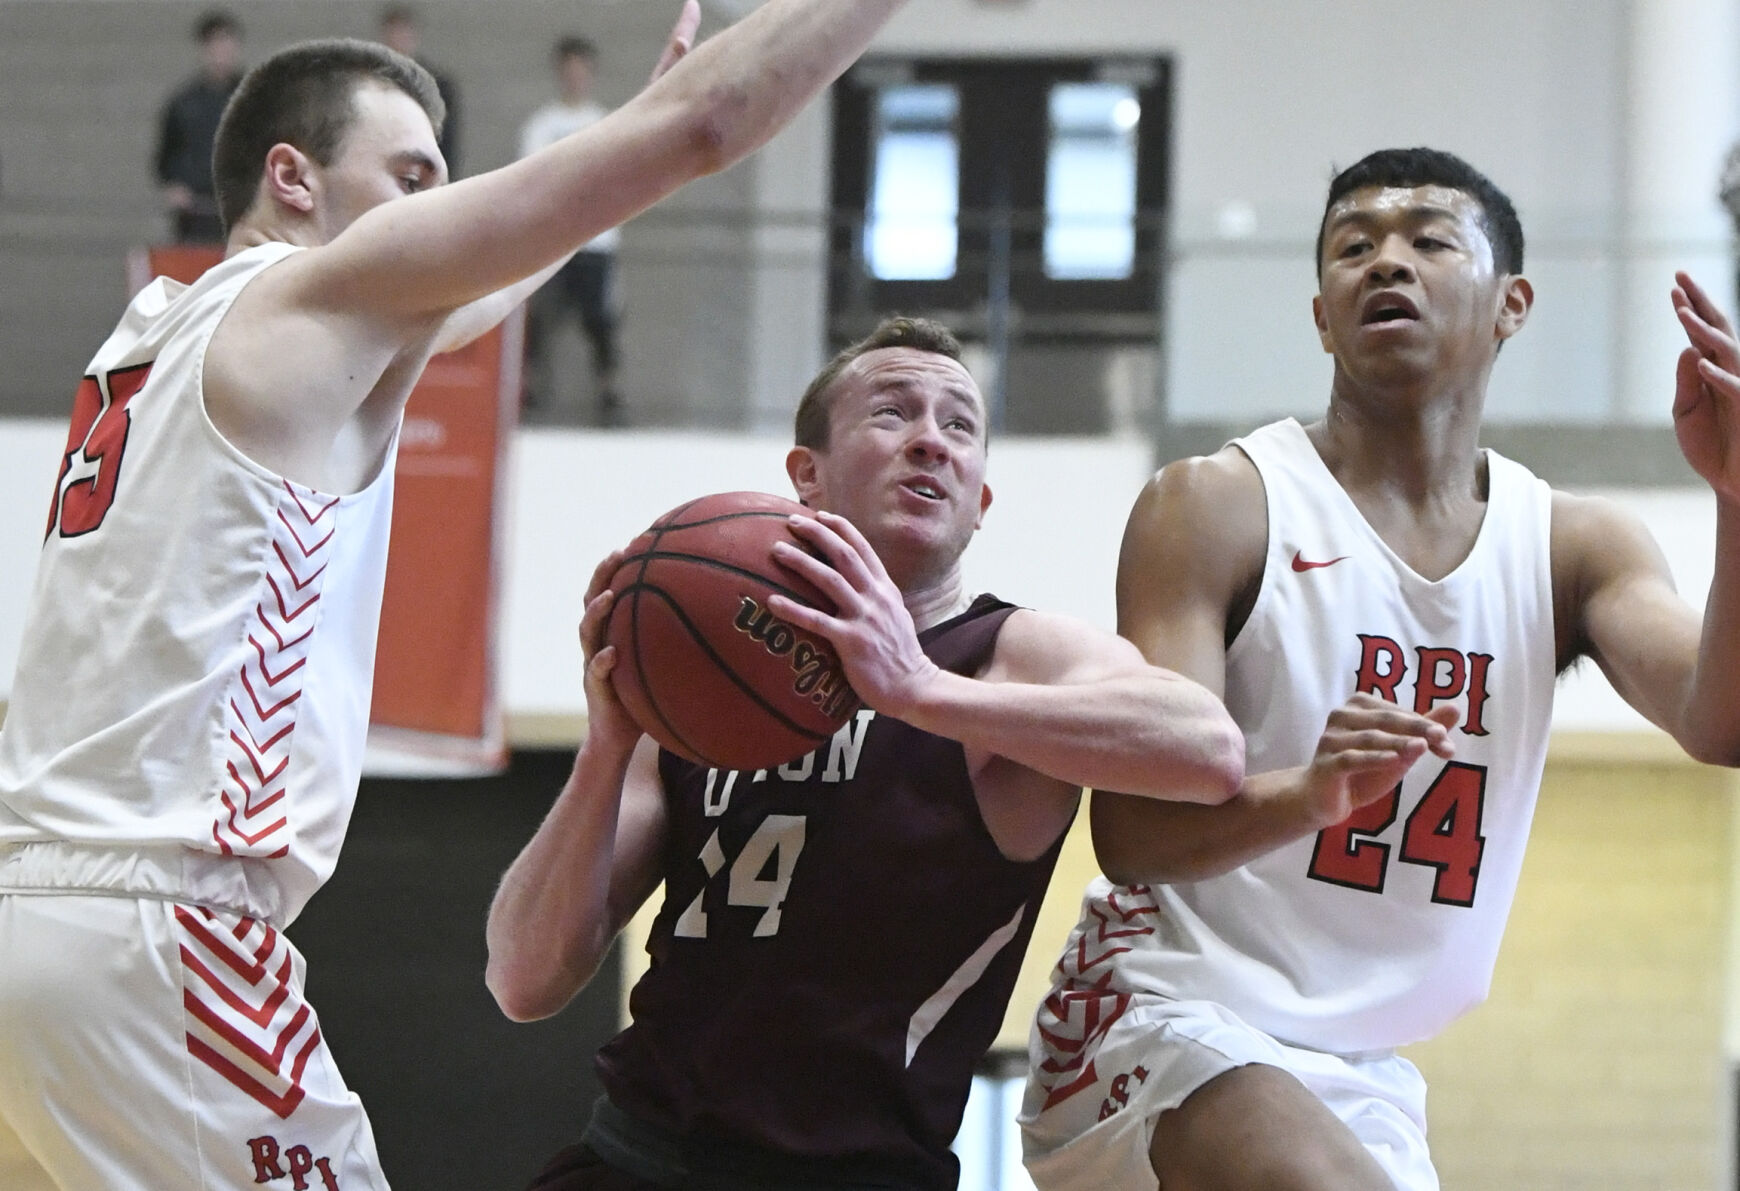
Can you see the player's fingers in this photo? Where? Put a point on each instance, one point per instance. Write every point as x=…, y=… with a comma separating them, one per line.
x=1384, y=717
x=1725, y=383
x=603, y=573
x=855, y=538
x=1708, y=338
x=1336, y=745
x=594, y=620
x=682, y=38
x=827, y=579
x=803, y=616
x=1699, y=299
x=842, y=554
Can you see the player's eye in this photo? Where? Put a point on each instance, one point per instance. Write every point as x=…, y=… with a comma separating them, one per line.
x=1354, y=248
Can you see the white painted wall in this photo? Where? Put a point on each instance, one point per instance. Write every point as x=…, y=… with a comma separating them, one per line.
x=1050, y=540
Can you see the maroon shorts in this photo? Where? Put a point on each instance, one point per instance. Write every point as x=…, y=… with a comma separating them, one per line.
x=577, y=1168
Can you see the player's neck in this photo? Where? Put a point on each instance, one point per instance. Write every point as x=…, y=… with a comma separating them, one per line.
x=1419, y=449
x=932, y=603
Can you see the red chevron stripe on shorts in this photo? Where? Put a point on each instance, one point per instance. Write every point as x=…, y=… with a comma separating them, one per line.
x=1083, y=1005
x=246, y=1018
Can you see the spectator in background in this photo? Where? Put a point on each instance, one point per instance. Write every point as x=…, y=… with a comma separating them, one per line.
x=585, y=285
x=401, y=29
x=188, y=127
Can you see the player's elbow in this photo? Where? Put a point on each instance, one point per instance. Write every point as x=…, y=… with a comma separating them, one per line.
x=1220, y=760
x=712, y=129
x=521, y=994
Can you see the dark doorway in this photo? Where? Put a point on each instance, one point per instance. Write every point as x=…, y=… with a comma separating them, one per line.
x=1020, y=201
x=461, y=1098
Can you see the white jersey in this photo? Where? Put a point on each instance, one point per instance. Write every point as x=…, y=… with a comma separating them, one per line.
x=198, y=660
x=1382, y=930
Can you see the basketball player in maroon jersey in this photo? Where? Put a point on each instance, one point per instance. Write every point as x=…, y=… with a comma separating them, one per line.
x=1278, y=946
x=839, y=937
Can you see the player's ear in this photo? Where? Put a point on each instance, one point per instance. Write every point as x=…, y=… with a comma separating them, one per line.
x=1322, y=326
x=289, y=178
x=800, y=465
x=984, y=504
x=1516, y=299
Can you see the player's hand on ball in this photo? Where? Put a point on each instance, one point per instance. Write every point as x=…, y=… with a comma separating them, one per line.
x=871, y=629
x=1366, y=748
x=608, y=723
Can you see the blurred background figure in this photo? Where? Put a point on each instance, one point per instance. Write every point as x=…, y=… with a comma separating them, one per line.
x=401, y=29
x=188, y=126
x=585, y=286
x=1729, y=193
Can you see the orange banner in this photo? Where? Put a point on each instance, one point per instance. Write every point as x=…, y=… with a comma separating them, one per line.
x=435, y=700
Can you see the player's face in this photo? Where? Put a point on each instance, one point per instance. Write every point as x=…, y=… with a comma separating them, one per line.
x=905, y=460
x=388, y=152
x=1409, y=288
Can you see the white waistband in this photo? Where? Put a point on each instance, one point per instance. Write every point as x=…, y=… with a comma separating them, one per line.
x=240, y=884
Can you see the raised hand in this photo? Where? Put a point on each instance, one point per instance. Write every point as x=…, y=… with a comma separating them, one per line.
x=870, y=629
x=1367, y=747
x=1707, y=390
x=681, y=41
x=608, y=724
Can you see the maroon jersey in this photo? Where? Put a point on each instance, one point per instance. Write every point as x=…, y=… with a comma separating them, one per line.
x=836, y=948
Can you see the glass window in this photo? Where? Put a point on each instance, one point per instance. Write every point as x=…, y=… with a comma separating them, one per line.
x=912, y=232
x=1090, y=183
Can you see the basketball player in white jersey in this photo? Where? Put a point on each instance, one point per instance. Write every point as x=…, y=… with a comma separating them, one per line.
x=1384, y=607
x=186, y=726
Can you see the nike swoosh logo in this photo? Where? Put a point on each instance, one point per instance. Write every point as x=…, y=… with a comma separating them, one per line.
x=1301, y=566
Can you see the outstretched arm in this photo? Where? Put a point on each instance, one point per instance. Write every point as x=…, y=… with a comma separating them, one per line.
x=341, y=316
x=475, y=318
x=594, y=859
x=1190, y=566
x=435, y=251
x=1678, y=672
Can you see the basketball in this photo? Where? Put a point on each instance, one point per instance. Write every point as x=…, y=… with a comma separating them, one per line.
x=703, y=665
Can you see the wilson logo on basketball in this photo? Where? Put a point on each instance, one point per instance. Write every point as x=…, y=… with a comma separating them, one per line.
x=817, y=678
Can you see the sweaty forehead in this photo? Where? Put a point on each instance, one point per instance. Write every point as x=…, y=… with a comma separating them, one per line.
x=1389, y=202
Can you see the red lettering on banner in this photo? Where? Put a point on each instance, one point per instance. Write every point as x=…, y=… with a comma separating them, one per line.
x=1370, y=679
x=1477, y=664
x=264, y=1152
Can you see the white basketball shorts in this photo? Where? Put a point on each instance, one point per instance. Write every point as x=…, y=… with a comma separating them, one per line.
x=1105, y=1065
x=149, y=1043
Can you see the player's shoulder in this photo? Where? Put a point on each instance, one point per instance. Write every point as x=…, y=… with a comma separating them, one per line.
x=1210, y=489
x=1201, y=508
x=1594, y=536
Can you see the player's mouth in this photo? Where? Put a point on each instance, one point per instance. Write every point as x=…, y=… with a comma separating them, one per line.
x=925, y=487
x=1386, y=308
